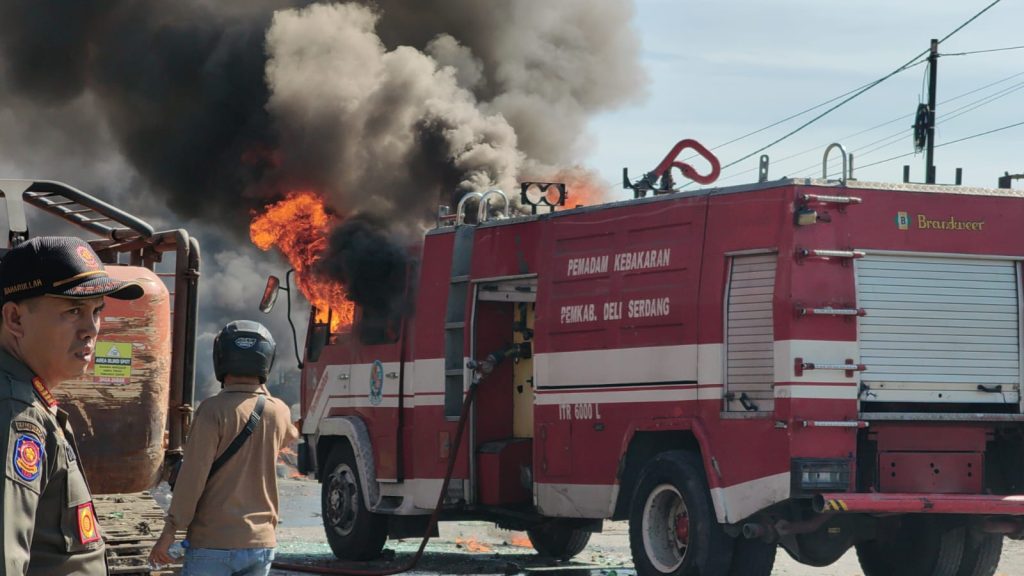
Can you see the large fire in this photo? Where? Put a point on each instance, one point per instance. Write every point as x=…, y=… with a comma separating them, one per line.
x=298, y=227
x=582, y=188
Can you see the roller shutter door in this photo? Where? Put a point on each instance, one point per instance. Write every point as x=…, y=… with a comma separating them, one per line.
x=937, y=328
x=749, y=332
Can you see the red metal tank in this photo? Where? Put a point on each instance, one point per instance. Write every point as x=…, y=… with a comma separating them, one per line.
x=119, y=408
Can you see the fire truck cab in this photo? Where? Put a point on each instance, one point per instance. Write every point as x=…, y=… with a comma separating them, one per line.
x=811, y=364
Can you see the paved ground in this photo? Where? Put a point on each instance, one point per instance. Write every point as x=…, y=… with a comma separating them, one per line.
x=480, y=548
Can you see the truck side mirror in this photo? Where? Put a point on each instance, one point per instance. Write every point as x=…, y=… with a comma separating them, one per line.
x=270, y=294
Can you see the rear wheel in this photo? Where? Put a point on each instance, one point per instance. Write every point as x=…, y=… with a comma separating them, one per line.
x=918, y=547
x=558, y=540
x=981, y=554
x=353, y=532
x=672, y=524
x=752, y=558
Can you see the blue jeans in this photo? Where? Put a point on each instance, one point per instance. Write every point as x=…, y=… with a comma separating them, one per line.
x=239, y=562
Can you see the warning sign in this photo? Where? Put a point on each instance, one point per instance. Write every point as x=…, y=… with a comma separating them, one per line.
x=113, y=360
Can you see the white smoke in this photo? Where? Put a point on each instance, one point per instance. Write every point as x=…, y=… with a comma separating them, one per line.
x=368, y=118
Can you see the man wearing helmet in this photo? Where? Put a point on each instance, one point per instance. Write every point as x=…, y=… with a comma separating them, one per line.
x=225, y=496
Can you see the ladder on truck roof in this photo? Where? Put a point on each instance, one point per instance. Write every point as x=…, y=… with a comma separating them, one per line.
x=71, y=205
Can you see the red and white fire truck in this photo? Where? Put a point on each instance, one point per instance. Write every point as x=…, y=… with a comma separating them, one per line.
x=807, y=363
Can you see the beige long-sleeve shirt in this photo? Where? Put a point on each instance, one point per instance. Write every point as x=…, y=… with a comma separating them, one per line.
x=237, y=506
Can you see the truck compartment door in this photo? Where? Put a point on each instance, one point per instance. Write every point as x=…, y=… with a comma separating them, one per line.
x=939, y=330
x=749, y=334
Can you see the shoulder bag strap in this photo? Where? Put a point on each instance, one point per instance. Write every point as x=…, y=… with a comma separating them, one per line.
x=254, y=420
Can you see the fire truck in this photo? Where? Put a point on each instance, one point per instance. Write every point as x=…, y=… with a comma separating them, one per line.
x=811, y=364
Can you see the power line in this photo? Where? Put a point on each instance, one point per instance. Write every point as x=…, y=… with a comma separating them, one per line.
x=894, y=137
x=983, y=51
x=910, y=63
x=1007, y=79
x=971, y=106
x=953, y=114
x=784, y=120
x=978, y=135
x=869, y=86
x=972, y=19
x=815, y=107
x=986, y=133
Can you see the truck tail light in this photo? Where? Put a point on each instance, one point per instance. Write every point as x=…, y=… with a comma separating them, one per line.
x=817, y=474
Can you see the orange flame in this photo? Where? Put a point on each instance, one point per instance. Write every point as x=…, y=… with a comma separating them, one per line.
x=521, y=541
x=583, y=188
x=298, y=226
x=472, y=544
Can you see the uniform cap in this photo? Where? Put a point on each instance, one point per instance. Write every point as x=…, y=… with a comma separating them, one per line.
x=61, y=266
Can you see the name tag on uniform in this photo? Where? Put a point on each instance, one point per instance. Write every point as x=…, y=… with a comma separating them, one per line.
x=30, y=427
x=70, y=452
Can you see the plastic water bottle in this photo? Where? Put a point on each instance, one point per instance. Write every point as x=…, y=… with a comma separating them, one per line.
x=177, y=550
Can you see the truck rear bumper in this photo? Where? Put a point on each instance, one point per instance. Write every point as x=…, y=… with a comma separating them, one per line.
x=908, y=503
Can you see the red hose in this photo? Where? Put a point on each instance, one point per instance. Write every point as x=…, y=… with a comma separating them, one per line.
x=689, y=171
x=463, y=417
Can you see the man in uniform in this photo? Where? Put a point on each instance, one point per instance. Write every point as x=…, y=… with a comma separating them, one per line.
x=51, y=295
x=225, y=497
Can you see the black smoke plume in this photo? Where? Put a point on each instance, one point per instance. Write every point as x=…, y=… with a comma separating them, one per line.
x=373, y=268
x=204, y=110
x=179, y=85
x=223, y=106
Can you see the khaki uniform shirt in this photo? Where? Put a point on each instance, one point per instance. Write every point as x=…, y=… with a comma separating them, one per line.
x=237, y=506
x=49, y=523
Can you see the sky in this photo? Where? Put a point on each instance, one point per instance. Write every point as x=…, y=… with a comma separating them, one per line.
x=718, y=70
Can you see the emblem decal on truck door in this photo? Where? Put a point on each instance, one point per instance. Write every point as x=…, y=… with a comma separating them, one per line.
x=376, y=382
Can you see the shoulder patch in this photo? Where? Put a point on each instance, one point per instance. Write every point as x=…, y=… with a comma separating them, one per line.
x=88, y=531
x=28, y=456
x=30, y=427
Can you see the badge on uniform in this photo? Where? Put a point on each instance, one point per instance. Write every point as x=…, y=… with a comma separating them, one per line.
x=28, y=457
x=88, y=532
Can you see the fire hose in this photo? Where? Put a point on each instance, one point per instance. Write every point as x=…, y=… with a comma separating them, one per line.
x=482, y=370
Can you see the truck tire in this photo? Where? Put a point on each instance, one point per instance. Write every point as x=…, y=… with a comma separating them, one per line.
x=672, y=525
x=557, y=540
x=919, y=547
x=752, y=558
x=353, y=532
x=981, y=554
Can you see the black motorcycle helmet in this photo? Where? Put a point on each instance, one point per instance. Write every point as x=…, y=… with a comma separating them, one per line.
x=243, y=348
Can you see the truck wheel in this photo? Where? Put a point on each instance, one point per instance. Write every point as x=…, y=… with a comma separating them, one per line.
x=557, y=540
x=919, y=547
x=672, y=524
x=981, y=554
x=353, y=532
x=752, y=558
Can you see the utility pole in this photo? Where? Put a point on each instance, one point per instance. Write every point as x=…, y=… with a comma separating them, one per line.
x=933, y=80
